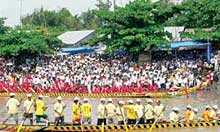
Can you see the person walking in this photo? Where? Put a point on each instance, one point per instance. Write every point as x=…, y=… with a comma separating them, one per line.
x=59, y=107
x=29, y=108
x=40, y=111
x=12, y=106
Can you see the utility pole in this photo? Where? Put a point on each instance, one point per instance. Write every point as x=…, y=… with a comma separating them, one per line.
x=114, y=4
x=21, y=6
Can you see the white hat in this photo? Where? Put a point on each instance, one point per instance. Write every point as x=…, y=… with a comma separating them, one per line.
x=110, y=100
x=59, y=98
x=12, y=94
x=130, y=101
x=149, y=101
x=121, y=102
x=76, y=98
x=40, y=96
x=215, y=106
x=85, y=99
x=189, y=106
x=102, y=99
x=207, y=107
x=195, y=109
x=29, y=95
x=175, y=109
x=138, y=100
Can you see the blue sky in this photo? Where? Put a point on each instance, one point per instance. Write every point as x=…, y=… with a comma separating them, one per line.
x=11, y=8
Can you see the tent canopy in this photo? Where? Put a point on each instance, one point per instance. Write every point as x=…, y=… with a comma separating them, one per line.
x=176, y=45
x=79, y=50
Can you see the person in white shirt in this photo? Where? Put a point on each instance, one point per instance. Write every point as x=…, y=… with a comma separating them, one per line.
x=158, y=110
x=120, y=113
x=12, y=106
x=59, y=107
x=149, y=112
x=29, y=108
x=139, y=109
x=193, y=115
x=110, y=111
x=102, y=111
x=174, y=115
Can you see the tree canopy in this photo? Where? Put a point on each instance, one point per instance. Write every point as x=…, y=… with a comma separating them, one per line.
x=136, y=27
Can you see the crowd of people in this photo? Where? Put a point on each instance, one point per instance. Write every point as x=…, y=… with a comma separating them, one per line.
x=108, y=112
x=95, y=73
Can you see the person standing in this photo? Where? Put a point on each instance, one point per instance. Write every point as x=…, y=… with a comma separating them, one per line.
x=139, y=109
x=158, y=110
x=76, y=112
x=29, y=108
x=40, y=110
x=174, y=115
x=110, y=111
x=149, y=112
x=130, y=112
x=86, y=112
x=120, y=113
x=188, y=113
x=59, y=107
x=102, y=112
x=12, y=106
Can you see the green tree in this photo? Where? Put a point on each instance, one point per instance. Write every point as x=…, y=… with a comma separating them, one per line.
x=136, y=27
x=22, y=44
x=3, y=28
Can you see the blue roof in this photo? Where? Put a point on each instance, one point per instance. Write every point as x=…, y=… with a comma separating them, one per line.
x=175, y=45
x=79, y=50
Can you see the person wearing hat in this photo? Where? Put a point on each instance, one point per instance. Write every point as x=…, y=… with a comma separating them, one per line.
x=193, y=115
x=139, y=109
x=76, y=111
x=29, y=108
x=110, y=111
x=158, y=110
x=40, y=110
x=213, y=113
x=59, y=107
x=102, y=112
x=149, y=112
x=86, y=112
x=12, y=106
x=130, y=112
x=174, y=115
x=120, y=113
x=206, y=114
x=188, y=113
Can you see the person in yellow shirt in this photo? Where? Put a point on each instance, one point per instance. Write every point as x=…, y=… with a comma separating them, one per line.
x=139, y=109
x=29, y=108
x=174, y=115
x=102, y=112
x=120, y=113
x=40, y=111
x=206, y=114
x=76, y=111
x=12, y=106
x=130, y=112
x=188, y=113
x=193, y=116
x=59, y=107
x=110, y=111
x=149, y=112
x=86, y=112
x=158, y=110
